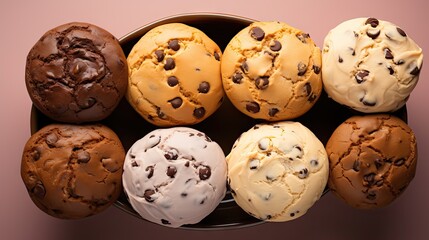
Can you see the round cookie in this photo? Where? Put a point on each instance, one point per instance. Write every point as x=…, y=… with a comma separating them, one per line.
x=175, y=76
x=372, y=160
x=271, y=71
x=276, y=172
x=370, y=65
x=76, y=72
x=175, y=176
x=73, y=171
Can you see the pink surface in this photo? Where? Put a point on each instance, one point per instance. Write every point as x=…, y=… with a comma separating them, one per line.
x=23, y=23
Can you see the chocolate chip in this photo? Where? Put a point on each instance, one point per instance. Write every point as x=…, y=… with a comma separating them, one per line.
x=302, y=68
x=160, y=113
x=388, y=53
x=171, y=155
x=244, y=67
x=35, y=154
x=257, y=33
x=312, y=98
x=134, y=164
x=254, y=164
x=187, y=164
x=262, y=82
x=237, y=77
x=199, y=112
x=399, y=162
x=316, y=69
x=415, y=71
x=314, y=163
x=150, y=169
x=292, y=215
x=148, y=195
x=371, y=195
x=51, y=139
x=89, y=103
x=83, y=157
x=276, y=46
x=252, y=107
x=217, y=56
x=361, y=75
x=153, y=141
x=184, y=194
x=302, y=37
x=174, y=44
x=391, y=70
x=378, y=163
x=272, y=112
x=340, y=60
x=373, y=33
x=204, y=172
x=165, y=222
x=264, y=143
x=356, y=34
x=356, y=166
x=176, y=102
x=204, y=87
x=400, y=31
x=169, y=64
x=159, y=55
x=373, y=21
x=307, y=88
x=172, y=81
x=369, y=178
x=400, y=62
x=39, y=190
x=366, y=103
x=379, y=183
x=171, y=171
x=303, y=173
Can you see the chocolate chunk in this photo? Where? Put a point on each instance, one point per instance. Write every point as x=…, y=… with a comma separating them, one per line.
x=39, y=190
x=174, y=44
x=35, y=154
x=400, y=31
x=399, y=162
x=244, y=67
x=83, y=157
x=276, y=46
x=373, y=34
x=150, y=169
x=415, y=71
x=134, y=164
x=199, y=112
x=302, y=68
x=272, y=112
x=391, y=70
x=176, y=102
x=172, y=81
x=340, y=60
x=159, y=55
x=361, y=75
x=165, y=222
x=316, y=69
x=303, y=173
x=51, y=139
x=217, y=56
x=169, y=64
x=204, y=172
x=237, y=77
x=257, y=33
x=373, y=21
x=356, y=166
x=204, y=87
x=307, y=88
x=262, y=82
x=252, y=107
x=148, y=195
x=171, y=171
x=388, y=53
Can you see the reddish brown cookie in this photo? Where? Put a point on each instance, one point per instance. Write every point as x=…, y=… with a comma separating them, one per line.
x=372, y=160
x=76, y=73
x=73, y=171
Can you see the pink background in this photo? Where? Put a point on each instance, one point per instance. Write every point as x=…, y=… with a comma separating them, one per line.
x=23, y=23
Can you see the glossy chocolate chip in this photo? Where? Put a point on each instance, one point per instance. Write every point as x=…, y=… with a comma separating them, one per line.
x=361, y=75
x=149, y=169
x=400, y=31
x=388, y=53
x=302, y=68
x=159, y=55
x=35, y=154
x=316, y=69
x=237, y=77
x=204, y=87
x=171, y=171
x=148, y=195
x=169, y=64
x=252, y=107
x=39, y=190
x=204, y=172
x=257, y=33
x=244, y=67
x=276, y=46
x=172, y=81
x=88, y=103
x=83, y=157
x=216, y=56
x=415, y=71
x=373, y=33
x=262, y=82
x=264, y=144
x=372, y=21
x=176, y=102
x=174, y=44
x=199, y=112
x=307, y=88
x=171, y=155
x=272, y=112
x=51, y=139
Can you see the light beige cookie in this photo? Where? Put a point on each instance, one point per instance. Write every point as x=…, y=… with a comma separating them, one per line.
x=271, y=71
x=175, y=76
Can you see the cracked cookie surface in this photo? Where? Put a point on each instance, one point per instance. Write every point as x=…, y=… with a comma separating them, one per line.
x=175, y=176
x=73, y=171
x=76, y=72
x=370, y=65
x=277, y=171
x=175, y=76
x=271, y=71
x=372, y=160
